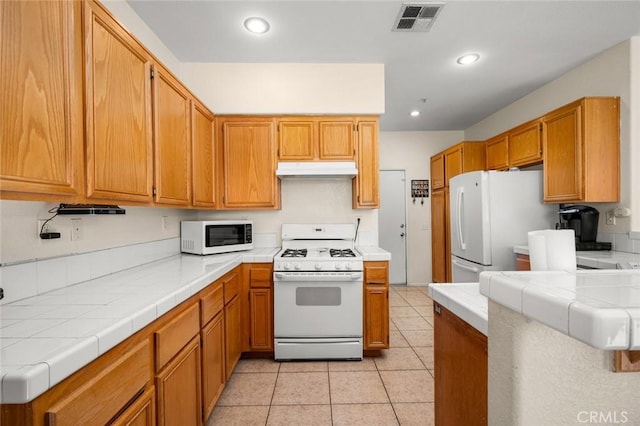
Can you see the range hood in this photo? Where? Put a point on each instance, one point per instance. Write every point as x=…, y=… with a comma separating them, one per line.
x=316, y=169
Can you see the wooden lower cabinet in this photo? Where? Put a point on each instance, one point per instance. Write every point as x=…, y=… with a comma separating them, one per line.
x=438, y=236
x=376, y=305
x=178, y=388
x=522, y=262
x=213, y=370
x=259, y=282
x=140, y=413
x=461, y=371
x=233, y=334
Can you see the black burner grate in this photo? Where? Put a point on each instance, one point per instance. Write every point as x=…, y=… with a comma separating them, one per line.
x=294, y=253
x=342, y=253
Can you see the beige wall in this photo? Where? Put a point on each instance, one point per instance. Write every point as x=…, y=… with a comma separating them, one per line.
x=288, y=88
x=608, y=74
x=411, y=151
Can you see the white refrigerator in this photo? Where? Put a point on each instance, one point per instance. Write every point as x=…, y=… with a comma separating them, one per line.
x=490, y=212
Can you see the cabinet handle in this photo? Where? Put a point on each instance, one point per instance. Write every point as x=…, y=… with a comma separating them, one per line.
x=436, y=308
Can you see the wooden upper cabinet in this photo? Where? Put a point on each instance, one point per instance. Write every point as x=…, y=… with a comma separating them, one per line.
x=525, y=144
x=437, y=171
x=41, y=136
x=172, y=139
x=497, y=150
x=118, y=111
x=336, y=139
x=464, y=157
x=248, y=163
x=297, y=139
x=581, y=151
x=366, y=191
x=203, y=156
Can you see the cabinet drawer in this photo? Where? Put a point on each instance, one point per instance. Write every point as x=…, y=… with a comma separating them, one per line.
x=212, y=302
x=260, y=277
x=171, y=338
x=376, y=273
x=105, y=395
x=231, y=284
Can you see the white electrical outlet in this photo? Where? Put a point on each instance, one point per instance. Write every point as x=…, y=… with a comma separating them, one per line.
x=611, y=219
x=76, y=229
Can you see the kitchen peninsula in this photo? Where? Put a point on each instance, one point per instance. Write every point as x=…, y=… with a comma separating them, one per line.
x=552, y=337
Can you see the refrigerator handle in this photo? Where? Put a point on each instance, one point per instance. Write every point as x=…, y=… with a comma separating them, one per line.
x=463, y=266
x=460, y=194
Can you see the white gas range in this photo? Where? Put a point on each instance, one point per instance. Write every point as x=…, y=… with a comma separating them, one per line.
x=318, y=293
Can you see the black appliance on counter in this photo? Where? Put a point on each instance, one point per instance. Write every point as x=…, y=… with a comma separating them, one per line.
x=584, y=221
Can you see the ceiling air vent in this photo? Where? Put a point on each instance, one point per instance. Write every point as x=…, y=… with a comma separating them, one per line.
x=417, y=17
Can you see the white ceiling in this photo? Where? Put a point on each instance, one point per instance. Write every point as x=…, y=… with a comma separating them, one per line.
x=523, y=45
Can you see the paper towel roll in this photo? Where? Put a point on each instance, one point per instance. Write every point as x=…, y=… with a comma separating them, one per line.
x=552, y=250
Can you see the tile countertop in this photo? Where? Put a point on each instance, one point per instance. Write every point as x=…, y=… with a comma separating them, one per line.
x=604, y=259
x=465, y=301
x=598, y=307
x=373, y=253
x=46, y=338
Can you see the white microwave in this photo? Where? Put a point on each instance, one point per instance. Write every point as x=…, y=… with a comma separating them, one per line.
x=216, y=236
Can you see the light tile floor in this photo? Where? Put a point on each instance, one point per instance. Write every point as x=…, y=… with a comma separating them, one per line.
x=395, y=388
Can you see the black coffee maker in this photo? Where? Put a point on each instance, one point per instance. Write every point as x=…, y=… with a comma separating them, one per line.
x=584, y=221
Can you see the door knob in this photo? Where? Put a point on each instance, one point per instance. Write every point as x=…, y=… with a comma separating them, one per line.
x=402, y=225
x=402, y=234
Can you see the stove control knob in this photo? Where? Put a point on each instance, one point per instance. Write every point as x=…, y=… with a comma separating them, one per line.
x=347, y=266
x=287, y=266
x=297, y=266
x=318, y=266
x=338, y=266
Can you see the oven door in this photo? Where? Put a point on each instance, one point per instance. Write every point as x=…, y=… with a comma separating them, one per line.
x=317, y=304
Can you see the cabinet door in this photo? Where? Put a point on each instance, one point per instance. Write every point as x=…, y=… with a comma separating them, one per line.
x=437, y=171
x=172, y=139
x=376, y=320
x=203, y=157
x=561, y=136
x=41, y=126
x=178, y=387
x=447, y=229
x=438, y=237
x=249, y=163
x=366, y=191
x=296, y=140
x=141, y=413
x=233, y=334
x=261, y=314
x=460, y=380
x=498, y=152
x=376, y=305
x=525, y=144
x=452, y=163
x=336, y=140
x=213, y=371
x=118, y=111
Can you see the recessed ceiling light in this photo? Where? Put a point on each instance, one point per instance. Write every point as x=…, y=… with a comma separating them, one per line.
x=468, y=59
x=414, y=113
x=256, y=25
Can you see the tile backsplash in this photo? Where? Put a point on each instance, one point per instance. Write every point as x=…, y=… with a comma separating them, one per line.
x=627, y=242
x=28, y=279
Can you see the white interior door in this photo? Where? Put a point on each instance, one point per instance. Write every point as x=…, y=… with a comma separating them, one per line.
x=392, y=228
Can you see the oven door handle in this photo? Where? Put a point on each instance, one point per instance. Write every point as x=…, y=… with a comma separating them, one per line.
x=309, y=277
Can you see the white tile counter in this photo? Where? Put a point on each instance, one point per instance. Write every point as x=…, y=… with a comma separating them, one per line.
x=465, y=301
x=604, y=259
x=373, y=253
x=47, y=337
x=598, y=307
